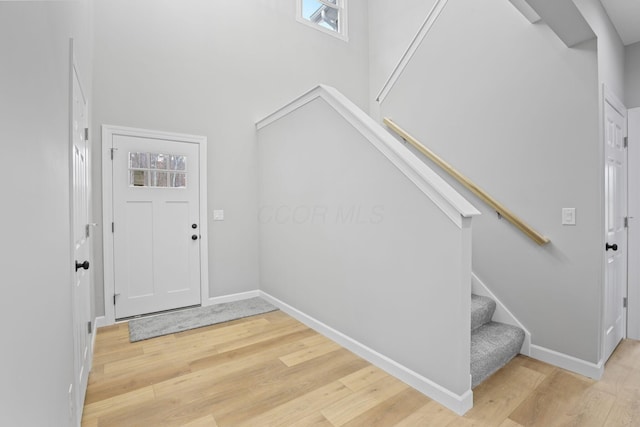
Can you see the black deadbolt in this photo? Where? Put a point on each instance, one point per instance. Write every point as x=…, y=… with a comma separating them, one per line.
x=194, y=226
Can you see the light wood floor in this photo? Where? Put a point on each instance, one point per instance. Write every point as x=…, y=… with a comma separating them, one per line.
x=271, y=370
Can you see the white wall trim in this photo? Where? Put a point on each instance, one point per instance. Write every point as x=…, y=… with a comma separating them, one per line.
x=99, y=322
x=612, y=99
x=633, y=251
x=426, y=26
x=502, y=313
x=567, y=362
x=633, y=310
x=457, y=403
x=290, y=107
x=231, y=298
x=430, y=183
x=108, y=131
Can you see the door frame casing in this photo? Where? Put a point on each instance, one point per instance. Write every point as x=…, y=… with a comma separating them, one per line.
x=633, y=210
x=108, y=132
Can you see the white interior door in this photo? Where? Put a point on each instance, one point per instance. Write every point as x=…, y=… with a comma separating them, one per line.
x=80, y=210
x=616, y=232
x=156, y=230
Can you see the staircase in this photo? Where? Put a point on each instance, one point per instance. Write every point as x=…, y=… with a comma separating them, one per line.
x=493, y=344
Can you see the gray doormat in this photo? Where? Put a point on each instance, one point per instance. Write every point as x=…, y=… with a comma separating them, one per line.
x=178, y=321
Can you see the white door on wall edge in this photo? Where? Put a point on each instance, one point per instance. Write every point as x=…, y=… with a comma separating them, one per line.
x=81, y=286
x=615, y=179
x=156, y=224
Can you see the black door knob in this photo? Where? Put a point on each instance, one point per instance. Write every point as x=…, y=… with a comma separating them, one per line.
x=614, y=246
x=194, y=237
x=194, y=226
x=80, y=265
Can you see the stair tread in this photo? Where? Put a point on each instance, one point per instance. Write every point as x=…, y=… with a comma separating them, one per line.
x=482, y=309
x=493, y=345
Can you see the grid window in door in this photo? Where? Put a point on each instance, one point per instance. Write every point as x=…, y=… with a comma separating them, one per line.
x=157, y=170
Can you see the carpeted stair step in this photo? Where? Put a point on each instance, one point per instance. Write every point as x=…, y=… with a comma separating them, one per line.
x=482, y=309
x=493, y=345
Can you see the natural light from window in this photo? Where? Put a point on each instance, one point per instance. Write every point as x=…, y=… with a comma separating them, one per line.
x=325, y=15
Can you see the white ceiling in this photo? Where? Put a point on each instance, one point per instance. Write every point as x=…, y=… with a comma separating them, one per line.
x=625, y=15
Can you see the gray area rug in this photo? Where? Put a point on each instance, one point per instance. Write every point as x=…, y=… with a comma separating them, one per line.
x=178, y=321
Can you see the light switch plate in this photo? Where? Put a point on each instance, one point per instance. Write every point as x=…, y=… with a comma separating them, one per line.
x=568, y=216
x=218, y=215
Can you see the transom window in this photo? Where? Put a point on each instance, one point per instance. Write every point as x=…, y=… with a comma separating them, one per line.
x=328, y=16
x=157, y=170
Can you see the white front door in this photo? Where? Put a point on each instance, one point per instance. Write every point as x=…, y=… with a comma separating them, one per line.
x=156, y=224
x=615, y=249
x=81, y=250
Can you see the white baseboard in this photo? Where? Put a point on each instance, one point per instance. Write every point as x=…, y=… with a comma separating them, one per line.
x=543, y=354
x=99, y=322
x=502, y=313
x=231, y=298
x=567, y=362
x=457, y=403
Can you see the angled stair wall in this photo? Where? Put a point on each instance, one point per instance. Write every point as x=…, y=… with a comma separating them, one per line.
x=361, y=240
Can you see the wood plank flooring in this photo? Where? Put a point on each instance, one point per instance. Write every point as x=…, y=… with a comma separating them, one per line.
x=271, y=370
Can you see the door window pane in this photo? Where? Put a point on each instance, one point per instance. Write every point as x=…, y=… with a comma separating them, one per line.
x=178, y=180
x=178, y=163
x=158, y=170
x=158, y=161
x=159, y=179
x=138, y=178
x=138, y=160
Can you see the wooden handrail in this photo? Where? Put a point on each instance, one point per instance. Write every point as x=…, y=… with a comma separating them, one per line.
x=500, y=209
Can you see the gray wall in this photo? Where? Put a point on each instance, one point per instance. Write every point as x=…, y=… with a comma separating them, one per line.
x=349, y=240
x=632, y=75
x=510, y=106
x=213, y=69
x=610, y=48
x=37, y=356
